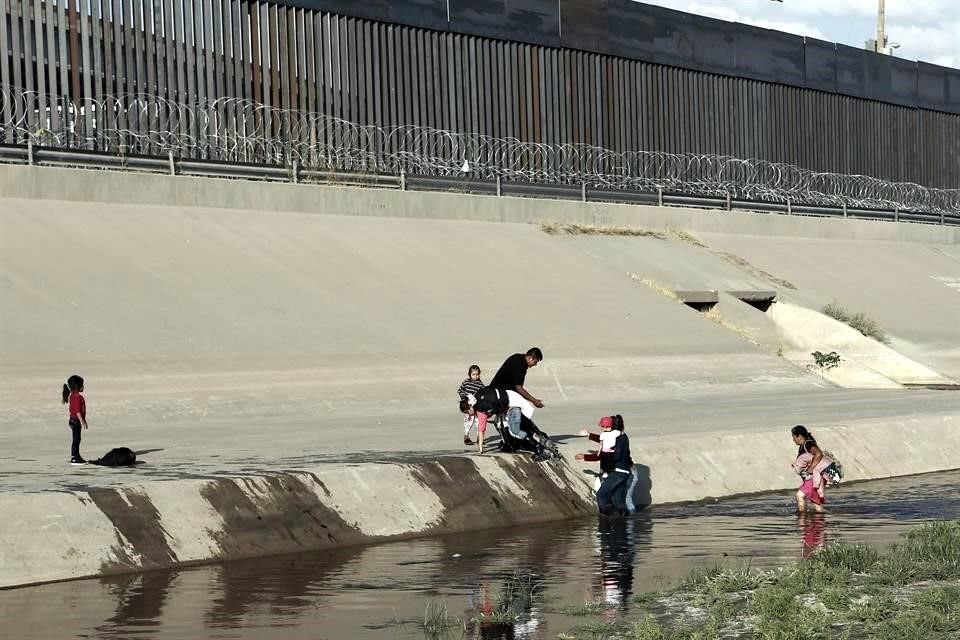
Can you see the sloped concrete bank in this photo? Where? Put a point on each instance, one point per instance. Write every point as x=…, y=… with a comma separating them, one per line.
x=100, y=531
x=67, y=535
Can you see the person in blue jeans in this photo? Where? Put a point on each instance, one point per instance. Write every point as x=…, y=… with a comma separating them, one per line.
x=616, y=465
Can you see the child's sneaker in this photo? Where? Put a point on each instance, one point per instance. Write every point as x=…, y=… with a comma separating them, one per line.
x=77, y=461
x=467, y=440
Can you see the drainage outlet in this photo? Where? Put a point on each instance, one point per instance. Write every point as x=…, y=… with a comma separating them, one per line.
x=702, y=301
x=757, y=299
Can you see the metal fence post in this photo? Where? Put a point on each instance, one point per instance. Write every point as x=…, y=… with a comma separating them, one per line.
x=499, y=191
x=941, y=217
x=659, y=196
x=583, y=192
x=789, y=208
x=844, y=208
x=30, y=152
x=403, y=180
x=728, y=201
x=896, y=214
x=295, y=172
x=173, y=166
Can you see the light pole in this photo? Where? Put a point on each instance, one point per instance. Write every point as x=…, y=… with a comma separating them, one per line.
x=878, y=44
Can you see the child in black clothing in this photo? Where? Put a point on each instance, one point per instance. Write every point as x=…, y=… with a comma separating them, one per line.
x=469, y=386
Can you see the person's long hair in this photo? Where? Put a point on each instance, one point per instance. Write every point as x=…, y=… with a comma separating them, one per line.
x=74, y=383
x=801, y=431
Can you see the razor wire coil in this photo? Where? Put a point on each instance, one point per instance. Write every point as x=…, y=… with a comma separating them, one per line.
x=240, y=130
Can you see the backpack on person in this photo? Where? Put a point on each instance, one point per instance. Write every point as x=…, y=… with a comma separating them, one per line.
x=119, y=457
x=834, y=472
x=490, y=401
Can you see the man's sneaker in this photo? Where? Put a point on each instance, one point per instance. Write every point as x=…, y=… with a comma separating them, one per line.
x=467, y=440
x=77, y=461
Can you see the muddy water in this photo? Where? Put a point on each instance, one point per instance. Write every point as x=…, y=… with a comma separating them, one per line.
x=380, y=592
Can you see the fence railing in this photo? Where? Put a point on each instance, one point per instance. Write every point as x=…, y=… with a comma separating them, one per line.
x=241, y=132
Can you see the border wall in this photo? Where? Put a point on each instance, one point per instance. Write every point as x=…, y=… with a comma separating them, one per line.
x=617, y=75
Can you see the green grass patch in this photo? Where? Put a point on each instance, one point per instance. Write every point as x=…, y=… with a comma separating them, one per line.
x=437, y=620
x=717, y=579
x=648, y=597
x=837, y=598
x=929, y=552
x=859, y=321
x=876, y=609
x=855, y=558
x=586, y=609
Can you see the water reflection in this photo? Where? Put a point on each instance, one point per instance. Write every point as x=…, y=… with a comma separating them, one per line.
x=140, y=599
x=618, y=539
x=814, y=528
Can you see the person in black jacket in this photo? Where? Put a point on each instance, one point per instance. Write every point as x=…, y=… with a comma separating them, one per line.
x=616, y=466
x=510, y=377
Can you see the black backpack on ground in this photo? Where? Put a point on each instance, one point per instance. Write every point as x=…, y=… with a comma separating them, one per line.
x=119, y=457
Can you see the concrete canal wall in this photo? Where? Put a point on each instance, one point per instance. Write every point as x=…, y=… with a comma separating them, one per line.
x=134, y=527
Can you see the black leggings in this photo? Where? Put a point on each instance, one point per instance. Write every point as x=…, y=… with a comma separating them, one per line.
x=75, y=442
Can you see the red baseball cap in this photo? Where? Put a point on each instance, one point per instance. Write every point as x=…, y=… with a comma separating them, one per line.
x=606, y=421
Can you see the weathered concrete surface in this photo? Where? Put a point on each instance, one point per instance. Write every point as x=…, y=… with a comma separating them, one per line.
x=277, y=363
x=63, y=535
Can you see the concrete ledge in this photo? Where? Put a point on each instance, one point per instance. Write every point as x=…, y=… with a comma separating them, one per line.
x=66, y=535
x=113, y=187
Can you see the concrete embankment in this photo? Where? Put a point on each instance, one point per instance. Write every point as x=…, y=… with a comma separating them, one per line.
x=72, y=534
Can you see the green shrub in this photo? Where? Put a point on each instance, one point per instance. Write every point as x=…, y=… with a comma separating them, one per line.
x=859, y=321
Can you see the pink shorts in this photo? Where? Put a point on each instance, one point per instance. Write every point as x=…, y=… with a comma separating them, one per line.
x=481, y=422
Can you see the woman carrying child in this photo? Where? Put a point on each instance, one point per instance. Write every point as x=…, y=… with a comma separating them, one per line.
x=811, y=465
x=616, y=466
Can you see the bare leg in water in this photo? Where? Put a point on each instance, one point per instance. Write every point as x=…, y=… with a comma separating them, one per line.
x=802, y=504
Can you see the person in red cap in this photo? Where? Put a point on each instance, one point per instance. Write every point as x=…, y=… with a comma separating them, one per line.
x=606, y=439
x=616, y=465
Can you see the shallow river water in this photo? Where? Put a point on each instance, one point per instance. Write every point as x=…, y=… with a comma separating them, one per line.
x=380, y=592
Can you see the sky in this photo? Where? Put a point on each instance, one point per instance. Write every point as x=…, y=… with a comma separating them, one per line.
x=927, y=30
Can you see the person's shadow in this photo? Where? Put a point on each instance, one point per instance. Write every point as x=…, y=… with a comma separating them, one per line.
x=642, y=485
x=140, y=452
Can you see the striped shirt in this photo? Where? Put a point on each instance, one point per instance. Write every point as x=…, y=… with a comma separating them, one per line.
x=469, y=386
